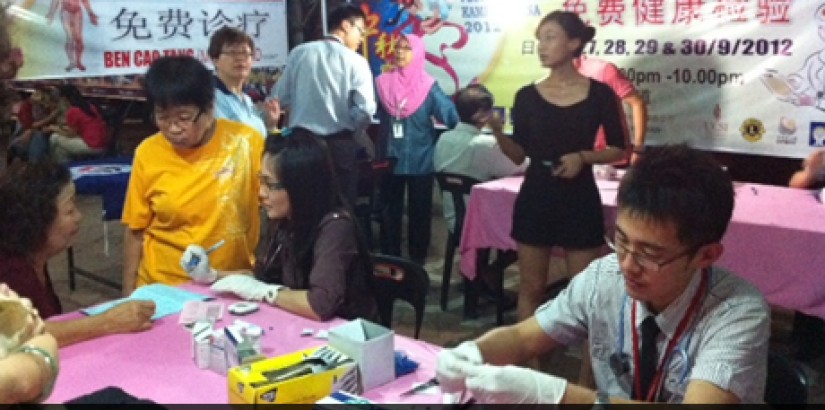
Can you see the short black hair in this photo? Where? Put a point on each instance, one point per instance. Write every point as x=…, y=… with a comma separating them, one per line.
x=678, y=184
x=573, y=25
x=173, y=81
x=28, y=192
x=344, y=12
x=228, y=36
x=471, y=100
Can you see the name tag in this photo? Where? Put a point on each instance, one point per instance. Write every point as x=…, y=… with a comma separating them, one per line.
x=397, y=129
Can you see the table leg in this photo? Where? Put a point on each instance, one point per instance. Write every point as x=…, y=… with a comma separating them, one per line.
x=471, y=287
x=504, y=258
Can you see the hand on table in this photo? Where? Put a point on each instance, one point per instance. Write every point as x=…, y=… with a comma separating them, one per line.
x=128, y=317
x=247, y=288
x=513, y=385
x=451, y=365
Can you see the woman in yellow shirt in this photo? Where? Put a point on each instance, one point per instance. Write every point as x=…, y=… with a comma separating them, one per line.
x=194, y=182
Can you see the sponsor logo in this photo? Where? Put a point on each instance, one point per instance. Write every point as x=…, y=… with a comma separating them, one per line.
x=752, y=130
x=716, y=129
x=787, y=131
x=816, y=137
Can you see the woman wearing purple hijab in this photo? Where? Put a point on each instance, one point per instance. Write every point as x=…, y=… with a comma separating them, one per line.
x=410, y=99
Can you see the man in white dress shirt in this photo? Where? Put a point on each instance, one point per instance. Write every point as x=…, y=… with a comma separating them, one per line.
x=465, y=150
x=327, y=88
x=662, y=324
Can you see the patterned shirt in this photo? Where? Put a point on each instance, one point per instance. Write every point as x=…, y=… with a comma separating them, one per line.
x=727, y=344
x=179, y=197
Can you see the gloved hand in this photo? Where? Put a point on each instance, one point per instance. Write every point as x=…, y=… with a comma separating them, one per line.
x=195, y=262
x=247, y=288
x=513, y=385
x=450, y=365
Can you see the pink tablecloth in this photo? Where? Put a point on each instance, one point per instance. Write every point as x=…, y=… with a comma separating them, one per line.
x=157, y=364
x=489, y=217
x=776, y=239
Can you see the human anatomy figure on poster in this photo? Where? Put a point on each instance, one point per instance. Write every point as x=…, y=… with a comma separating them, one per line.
x=806, y=86
x=71, y=15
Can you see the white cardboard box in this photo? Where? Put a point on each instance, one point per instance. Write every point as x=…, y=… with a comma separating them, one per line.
x=371, y=346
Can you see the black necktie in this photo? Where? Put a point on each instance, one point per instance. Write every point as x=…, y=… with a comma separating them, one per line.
x=649, y=359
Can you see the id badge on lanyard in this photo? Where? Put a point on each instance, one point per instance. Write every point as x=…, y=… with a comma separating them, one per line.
x=397, y=128
x=397, y=124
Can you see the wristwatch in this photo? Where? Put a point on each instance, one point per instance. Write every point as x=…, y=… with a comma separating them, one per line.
x=638, y=149
x=602, y=400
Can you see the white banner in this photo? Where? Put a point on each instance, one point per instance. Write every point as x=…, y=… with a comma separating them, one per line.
x=726, y=75
x=86, y=38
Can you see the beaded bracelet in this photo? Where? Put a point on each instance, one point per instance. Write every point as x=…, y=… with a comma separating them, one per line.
x=51, y=362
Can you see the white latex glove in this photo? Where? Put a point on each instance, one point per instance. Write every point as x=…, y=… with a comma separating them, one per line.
x=513, y=385
x=195, y=262
x=451, y=364
x=247, y=288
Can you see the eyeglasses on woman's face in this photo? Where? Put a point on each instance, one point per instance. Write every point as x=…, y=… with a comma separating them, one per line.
x=182, y=119
x=269, y=185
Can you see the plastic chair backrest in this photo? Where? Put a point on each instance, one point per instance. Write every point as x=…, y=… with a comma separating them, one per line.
x=399, y=278
x=457, y=186
x=786, y=382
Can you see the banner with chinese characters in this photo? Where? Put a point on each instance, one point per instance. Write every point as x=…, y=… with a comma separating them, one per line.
x=725, y=75
x=116, y=38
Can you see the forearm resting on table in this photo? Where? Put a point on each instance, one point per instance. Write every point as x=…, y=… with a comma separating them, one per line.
x=296, y=301
x=132, y=252
x=24, y=376
x=68, y=332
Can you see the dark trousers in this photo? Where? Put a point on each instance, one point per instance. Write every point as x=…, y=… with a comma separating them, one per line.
x=419, y=190
x=344, y=151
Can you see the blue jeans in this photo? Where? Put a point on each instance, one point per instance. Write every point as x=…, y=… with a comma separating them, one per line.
x=35, y=150
x=38, y=149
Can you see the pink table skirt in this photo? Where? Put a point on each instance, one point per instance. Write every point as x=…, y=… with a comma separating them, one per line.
x=157, y=364
x=775, y=240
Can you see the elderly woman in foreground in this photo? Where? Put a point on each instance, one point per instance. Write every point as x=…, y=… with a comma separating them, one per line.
x=40, y=220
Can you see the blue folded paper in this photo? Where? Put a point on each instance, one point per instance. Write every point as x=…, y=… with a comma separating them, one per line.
x=168, y=300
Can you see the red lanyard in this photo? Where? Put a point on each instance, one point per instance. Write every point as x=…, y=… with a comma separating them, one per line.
x=680, y=330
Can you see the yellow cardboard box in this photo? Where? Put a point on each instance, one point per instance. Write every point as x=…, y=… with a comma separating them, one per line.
x=269, y=382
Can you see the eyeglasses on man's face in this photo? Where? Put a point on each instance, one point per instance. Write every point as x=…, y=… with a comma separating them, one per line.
x=646, y=262
x=361, y=30
x=238, y=54
x=183, y=119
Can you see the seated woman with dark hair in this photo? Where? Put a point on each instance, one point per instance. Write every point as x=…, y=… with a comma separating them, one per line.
x=84, y=132
x=316, y=264
x=40, y=220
